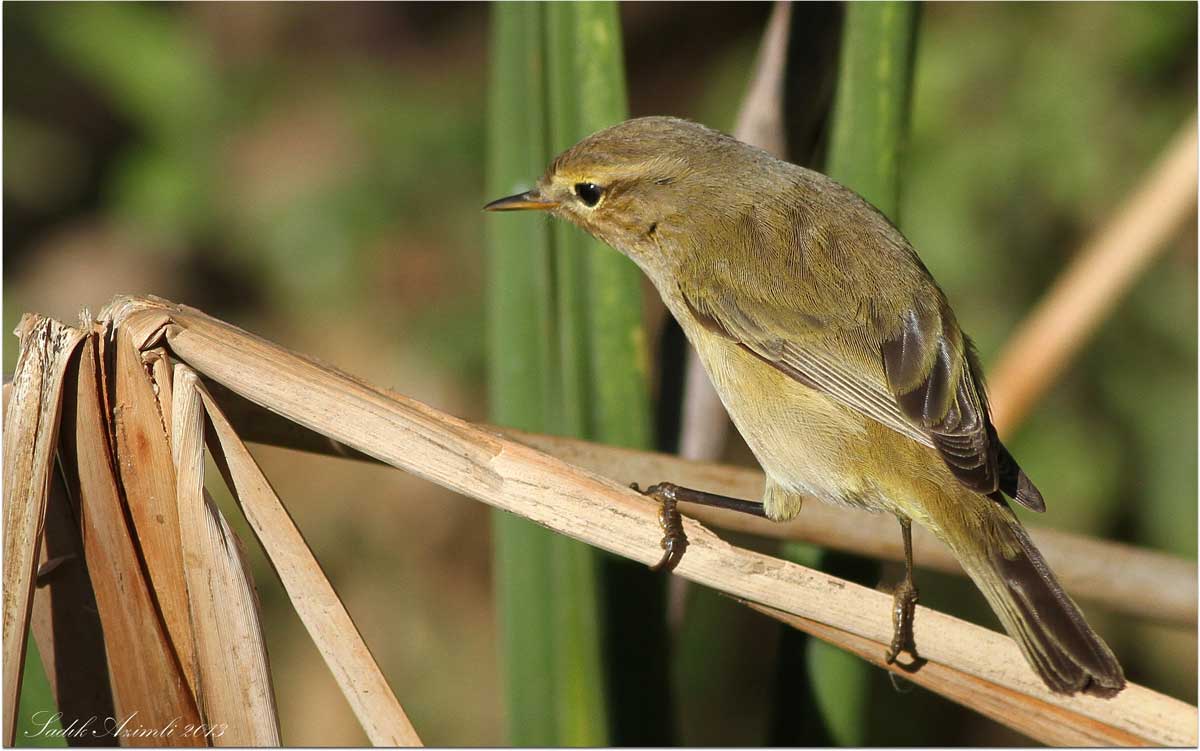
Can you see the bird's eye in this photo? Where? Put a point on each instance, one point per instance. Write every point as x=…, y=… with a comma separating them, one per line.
x=589, y=193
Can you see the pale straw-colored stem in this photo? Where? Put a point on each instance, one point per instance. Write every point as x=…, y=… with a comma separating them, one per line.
x=519, y=479
x=1136, y=582
x=1094, y=282
x=30, y=436
x=317, y=604
x=232, y=671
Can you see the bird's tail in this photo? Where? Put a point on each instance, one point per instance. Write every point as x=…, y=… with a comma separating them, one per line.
x=1035, y=611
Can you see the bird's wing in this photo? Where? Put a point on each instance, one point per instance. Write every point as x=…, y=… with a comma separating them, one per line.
x=919, y=379
x=928, y=368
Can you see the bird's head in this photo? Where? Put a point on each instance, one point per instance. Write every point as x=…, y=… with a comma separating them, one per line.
x=640, y=185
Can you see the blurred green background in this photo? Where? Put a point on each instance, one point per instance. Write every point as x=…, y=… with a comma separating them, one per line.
x=314, y=173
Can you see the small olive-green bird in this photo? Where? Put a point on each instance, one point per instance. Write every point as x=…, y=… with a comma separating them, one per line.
x=836, y=356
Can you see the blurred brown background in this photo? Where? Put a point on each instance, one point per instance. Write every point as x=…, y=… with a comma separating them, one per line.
x=313, y=173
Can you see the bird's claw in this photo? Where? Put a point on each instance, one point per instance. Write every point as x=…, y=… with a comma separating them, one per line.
x=674, y=542
x=904, y=609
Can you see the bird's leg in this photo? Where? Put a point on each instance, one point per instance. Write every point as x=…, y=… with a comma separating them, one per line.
x=674, y=541
x=904, y=607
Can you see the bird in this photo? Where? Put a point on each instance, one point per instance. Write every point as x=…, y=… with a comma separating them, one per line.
x=836, y=355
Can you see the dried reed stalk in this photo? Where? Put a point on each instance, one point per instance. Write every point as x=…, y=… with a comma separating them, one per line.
x=31, y=432
x=323, y=614
x=1049, y=724
x=1134, y=582
x=147, y=478
x=522, y=480
x=1098, y=276
x=233, y=676
x=65, y=621
x=146, y=675
x=127, y=511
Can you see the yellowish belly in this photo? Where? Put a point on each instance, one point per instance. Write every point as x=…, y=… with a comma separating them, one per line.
x=803, y=440
x=807, y=443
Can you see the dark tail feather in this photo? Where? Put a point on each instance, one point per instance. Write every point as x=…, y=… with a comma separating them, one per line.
x=1013, y=481
x=1038, y=614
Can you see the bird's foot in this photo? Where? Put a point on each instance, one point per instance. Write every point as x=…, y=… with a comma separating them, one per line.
x=674, y=542
x=904, y=609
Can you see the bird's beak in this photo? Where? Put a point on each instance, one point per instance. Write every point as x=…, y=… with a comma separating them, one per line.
x=521, y=202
